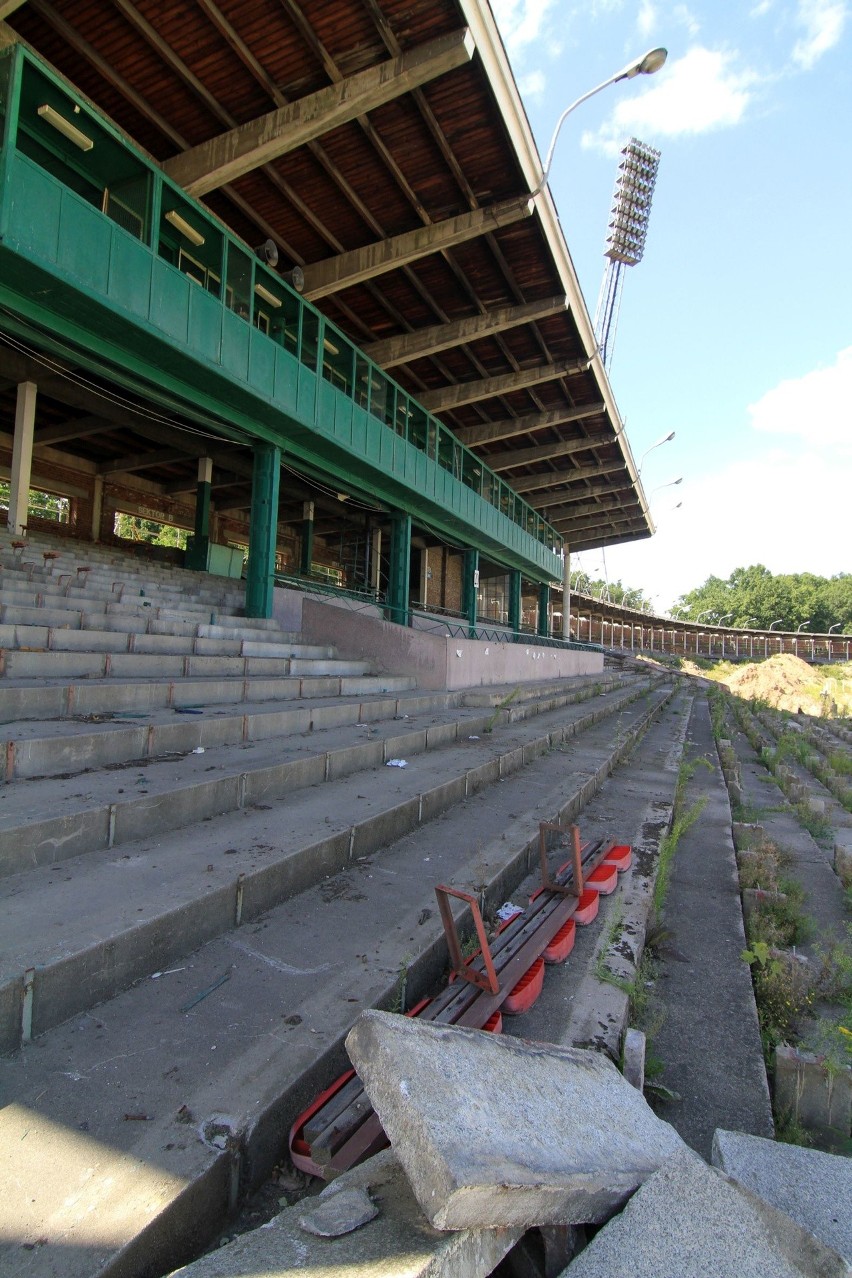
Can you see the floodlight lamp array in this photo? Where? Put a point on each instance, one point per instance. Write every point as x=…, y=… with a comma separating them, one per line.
x=634, y=189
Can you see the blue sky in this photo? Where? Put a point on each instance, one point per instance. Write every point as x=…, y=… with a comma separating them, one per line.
x=735, y=329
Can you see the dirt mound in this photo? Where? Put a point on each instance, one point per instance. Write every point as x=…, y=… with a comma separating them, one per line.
x=783, y=680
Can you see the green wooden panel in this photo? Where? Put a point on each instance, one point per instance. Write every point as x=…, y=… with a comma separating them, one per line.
x=84, y=243
x=170, y=300
x=35, y=208
x=286, y=379
x=262, y=363
x=205, y=323
x=130, y=274
x=359, y=430
x=306, y=395
x=235, y=345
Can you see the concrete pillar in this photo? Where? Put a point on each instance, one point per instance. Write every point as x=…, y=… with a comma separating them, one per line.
x=424, y=578
x=375, y=559
x=400, y=569
x=543, y=626
x=22, y=458
x=566, y=595
x=470, y=586
x=97, y=507
x=515, y=601
x=197, y=559
x=263, y=530
x=307, y=555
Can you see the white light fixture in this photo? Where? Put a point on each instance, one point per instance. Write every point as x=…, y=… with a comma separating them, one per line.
x=330, y=348
x=267, y=296
x=69, y=130
x=186, y=229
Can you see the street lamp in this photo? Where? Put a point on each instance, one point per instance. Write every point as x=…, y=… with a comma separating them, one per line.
x=708, y=613
x=752, y=621
x=836, y=626
x=646, y=65
x=802, y=626
x=727, y=617
x=665, y=439
x=773, y=624
x=670, y=483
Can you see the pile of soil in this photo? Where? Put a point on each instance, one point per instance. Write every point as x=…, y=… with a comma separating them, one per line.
x=783, y=681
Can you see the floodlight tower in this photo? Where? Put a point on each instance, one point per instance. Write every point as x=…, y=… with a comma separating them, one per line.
x=628, y=227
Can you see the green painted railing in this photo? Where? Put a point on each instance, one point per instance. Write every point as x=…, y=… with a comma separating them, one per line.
x=101, y=250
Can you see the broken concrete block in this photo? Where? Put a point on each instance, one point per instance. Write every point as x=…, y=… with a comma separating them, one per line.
x=331, y=1215
x=634, y=1058
x=816, y=806
x=399, y=1241
x=690, y=1221
x=498, y=1131
x=812, y=1187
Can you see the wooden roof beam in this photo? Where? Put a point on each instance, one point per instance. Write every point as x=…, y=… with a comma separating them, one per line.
x=449, y=397
x=142, y=461
x=592, y=542
x=548, y=452
x=429, y=341
x=604, y=520
x=73, y=428
x=336, y=273
x=230, y=155
x=9, y=6
x=492, y=432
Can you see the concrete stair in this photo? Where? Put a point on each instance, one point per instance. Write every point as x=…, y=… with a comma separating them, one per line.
x=207, y=877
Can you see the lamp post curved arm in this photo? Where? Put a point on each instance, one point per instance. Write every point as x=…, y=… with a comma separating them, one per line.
x=664, y=440
x=708, y=613
x=802, y=626
x=773, y=624
x=836, y=626
x=646, y=65
x=721, y=620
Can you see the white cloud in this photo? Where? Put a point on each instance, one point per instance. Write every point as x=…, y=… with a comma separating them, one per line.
x=647, y=19
x=823, y=22
x=520, y=21
x=817, y=406
x=760, y=9
x=697, y=93
x=532, y=85
x=682, y=14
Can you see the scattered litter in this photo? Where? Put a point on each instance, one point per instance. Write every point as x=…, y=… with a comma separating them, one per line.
x=508, y=911
x=396, y=763
x=155, y=976
x=424, y=915
x=204, y=993
x=473, y=738
x=198, y=750
x=137, y=1118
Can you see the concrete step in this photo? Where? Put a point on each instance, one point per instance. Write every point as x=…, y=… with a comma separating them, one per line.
x=73, y=745
x=94, y=940
x=18, y=663
x=244, y=1031
x=227, y=643
x=118, y=583
x=55, y=698
x=163, y=794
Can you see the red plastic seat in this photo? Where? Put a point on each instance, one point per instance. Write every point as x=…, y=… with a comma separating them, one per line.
x=621, y=857
x=603, y=879
x=562, y=944
x=587, y=907
x=526, y=991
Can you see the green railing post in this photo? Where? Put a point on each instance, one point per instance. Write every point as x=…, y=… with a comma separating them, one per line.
x=470, y=585
x=400, y=569
x=515, y=601
x=542, y=627
x=263, y=530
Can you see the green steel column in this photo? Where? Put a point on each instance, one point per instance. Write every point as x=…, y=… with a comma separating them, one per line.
x=470, y=585
x=543, y=609
x=400, y=568
x=197, y=558
x=263, y=530
x=307, y=556
x=515, y=601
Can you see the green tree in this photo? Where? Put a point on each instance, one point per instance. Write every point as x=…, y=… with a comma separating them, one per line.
x=757, y=598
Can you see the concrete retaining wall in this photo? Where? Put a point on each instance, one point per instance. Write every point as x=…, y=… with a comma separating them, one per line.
x=434, y=660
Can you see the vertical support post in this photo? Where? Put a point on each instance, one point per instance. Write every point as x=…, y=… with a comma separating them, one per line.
x=566, y=596
x=22, y=457
x=542, y=628
x=376, y=559
x=424, y=578
x=307, y=555
x=470, y=586
x=515, y=601
x=97, y=507
x=263, y=530
x=201, y=535
x=400, y=568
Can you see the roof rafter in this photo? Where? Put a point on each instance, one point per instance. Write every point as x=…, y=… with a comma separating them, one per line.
x=448, y=397
x=547, y=452
x=230, y=155
x=440, y=337
x=510, y=427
